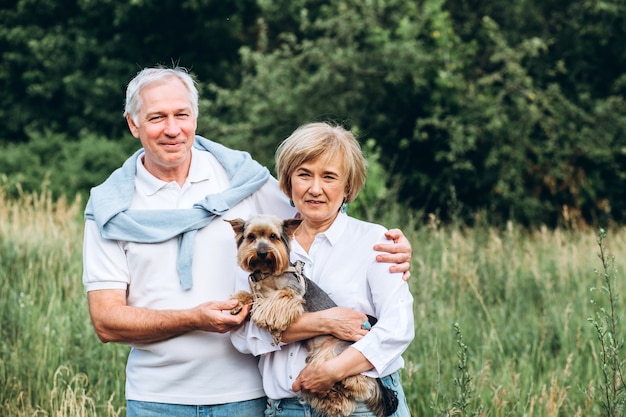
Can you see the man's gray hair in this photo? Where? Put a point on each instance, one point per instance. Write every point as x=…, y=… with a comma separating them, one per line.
x=149, y=76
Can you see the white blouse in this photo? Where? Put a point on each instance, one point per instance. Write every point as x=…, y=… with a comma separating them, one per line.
x=342, y=262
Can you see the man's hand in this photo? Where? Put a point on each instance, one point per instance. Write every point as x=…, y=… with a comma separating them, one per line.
x=398, y=253
x=215, y=316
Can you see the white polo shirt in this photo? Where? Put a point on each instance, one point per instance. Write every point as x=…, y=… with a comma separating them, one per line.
x=198, y=367
x=343, y=263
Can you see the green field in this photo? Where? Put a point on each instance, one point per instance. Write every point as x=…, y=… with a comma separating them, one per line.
x=502, y=320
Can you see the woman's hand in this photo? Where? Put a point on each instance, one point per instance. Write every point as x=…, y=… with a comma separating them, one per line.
x=317, y=380
x=341, y=322
x=345, y=323
x=319, y=377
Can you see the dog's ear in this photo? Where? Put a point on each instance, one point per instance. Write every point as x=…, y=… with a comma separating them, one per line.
x=290, y=226
x=238, y=225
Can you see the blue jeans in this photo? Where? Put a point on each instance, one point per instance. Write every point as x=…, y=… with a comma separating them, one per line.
x=251, y=408
x=294, y=407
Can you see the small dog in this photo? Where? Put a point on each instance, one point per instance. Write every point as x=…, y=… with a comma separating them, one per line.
x=281, y=294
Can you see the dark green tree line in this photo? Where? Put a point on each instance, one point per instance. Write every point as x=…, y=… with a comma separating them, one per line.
x=510, y=110
x=65, y=64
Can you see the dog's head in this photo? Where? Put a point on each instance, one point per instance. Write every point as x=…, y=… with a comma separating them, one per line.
x=263, y=243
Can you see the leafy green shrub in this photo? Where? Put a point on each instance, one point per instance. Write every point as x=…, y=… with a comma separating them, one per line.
x=50, y=162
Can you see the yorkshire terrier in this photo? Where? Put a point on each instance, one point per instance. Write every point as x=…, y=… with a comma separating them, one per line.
x=280, y=294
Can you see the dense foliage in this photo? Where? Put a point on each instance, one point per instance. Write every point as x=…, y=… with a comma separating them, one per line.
x=505, y=110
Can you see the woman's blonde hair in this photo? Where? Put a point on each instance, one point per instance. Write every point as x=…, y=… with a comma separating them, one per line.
x=316, y=140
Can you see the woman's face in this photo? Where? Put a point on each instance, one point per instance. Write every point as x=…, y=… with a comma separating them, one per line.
x=318, y=189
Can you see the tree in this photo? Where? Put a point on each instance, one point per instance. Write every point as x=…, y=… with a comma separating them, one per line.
x=491, y=108
x=459, y=108
x=65, y=65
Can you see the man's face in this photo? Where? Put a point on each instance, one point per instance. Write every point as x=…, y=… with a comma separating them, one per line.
x=166, y=128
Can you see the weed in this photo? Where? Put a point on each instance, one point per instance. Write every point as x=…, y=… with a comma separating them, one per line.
x=464, y=392
x=607, y=324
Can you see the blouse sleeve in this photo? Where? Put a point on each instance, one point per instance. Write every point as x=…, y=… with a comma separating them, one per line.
x=394, y=331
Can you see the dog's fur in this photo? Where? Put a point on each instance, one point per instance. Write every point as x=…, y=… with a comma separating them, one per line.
x=281, y=294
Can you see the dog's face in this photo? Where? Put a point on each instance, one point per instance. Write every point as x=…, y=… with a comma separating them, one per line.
x=263, y=243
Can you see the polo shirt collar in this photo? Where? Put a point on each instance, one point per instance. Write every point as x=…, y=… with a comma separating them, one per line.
x=152, y=184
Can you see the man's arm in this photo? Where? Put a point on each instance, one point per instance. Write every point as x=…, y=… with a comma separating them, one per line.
x=114, y=321
x=398, y=253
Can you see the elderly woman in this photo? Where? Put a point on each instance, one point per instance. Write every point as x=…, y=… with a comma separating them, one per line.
x=321, y=169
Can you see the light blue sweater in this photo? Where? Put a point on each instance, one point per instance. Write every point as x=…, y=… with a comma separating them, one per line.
x=109, y=205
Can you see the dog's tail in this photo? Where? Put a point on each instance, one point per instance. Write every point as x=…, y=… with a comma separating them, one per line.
x=385, y=402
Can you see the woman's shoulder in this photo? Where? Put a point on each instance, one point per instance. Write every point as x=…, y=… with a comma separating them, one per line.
x=366, y=230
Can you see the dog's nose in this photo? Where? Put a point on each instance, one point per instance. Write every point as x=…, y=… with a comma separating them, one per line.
x=262, y=253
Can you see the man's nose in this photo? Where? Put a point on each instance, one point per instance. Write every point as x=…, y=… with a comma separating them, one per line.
x=172, y=127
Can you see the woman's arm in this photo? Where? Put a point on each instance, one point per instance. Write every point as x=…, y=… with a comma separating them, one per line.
x=392, y=303
x=341, y=322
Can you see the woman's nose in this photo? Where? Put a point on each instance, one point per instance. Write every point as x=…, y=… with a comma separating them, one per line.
x=316, y=187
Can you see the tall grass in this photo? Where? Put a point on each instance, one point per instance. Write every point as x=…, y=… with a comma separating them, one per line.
x=51, y=362
x=502, y=319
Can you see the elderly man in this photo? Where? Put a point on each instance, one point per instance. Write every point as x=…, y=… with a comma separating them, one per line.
x=159, y=261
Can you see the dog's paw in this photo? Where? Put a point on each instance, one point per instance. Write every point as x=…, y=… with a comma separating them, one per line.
x=277, y=336
x=244, y=298
x=237, y=309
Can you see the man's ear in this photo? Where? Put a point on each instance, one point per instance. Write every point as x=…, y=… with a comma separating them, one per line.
x=134, y=129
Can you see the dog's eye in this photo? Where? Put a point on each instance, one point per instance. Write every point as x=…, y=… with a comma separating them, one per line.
x=250, y=237
x=273, y=236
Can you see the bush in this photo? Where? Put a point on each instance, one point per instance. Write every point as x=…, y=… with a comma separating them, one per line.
x=51, y=162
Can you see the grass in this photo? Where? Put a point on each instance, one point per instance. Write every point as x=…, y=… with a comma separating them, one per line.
x=506, y=322
x=51, y=362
